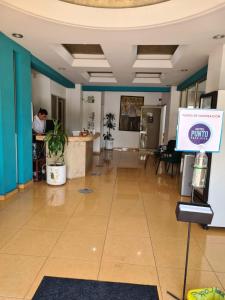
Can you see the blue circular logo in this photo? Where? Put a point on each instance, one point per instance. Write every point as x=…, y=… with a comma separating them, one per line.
x=199, y=134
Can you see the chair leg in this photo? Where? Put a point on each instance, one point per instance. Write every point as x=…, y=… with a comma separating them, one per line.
x=167, y=166
x=158, y=167
x=172, y=170
x=146, y=160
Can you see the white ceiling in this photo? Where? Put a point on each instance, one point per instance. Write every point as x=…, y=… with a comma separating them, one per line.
x=46, y=24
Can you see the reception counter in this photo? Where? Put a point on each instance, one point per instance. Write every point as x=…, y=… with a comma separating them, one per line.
x=78, y=155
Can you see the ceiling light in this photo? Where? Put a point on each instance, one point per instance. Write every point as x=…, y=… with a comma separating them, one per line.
x=184, y=70
x=17, y=35
x=62, y=69
x=218, y=36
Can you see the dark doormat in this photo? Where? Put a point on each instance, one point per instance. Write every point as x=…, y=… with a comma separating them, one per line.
x=53, y=288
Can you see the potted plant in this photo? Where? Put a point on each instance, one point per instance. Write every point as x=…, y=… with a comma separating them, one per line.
x=55, y=141
x=110, y=125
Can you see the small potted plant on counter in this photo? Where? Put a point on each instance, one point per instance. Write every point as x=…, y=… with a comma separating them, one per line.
x=110, y=125
x=55, y=141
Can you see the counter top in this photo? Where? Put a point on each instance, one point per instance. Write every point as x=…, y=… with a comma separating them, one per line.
x=87, y=138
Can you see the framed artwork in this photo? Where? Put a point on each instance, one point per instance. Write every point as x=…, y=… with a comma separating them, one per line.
x=130, y=113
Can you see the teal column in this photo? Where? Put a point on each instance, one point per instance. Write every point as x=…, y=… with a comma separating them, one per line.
x=7, y=119
x=23, y=116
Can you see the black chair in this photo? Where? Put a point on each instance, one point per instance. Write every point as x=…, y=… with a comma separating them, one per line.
x=171, y=160
x=169, y=156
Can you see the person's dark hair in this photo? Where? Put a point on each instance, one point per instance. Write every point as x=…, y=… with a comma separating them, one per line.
x=43, y=111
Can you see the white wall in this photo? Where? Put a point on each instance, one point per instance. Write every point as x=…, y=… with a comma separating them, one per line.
x=112, y=105
x=43, y=88
x=95, y=107
x=41, y=93
x=57, y=89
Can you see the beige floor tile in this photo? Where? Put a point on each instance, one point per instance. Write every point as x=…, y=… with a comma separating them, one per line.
x=17, y=274
x=64, y=267
x=4, y=298
x=128, y=250
x=130, y=226
x=79, y=246
x=26, y=203
x=6, y=235
x=170, y=253
x=31, y=242
x=161, y=227
x=221, y=277
x=172, y=280
x=14, y=219
x=212, y=235
x=127, y=207
x=127, y=189
x=118, y=272
x=215, y=253
x=93, y=224
x=48, y=221
x=124, y=197
x=133, y=200
x=96, y=206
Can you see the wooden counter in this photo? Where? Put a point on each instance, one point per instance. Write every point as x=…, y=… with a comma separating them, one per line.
x=78, y=154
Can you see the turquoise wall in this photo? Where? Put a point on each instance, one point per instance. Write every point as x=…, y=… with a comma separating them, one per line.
x=7, y=119
x=17, y=117
x=23, y=116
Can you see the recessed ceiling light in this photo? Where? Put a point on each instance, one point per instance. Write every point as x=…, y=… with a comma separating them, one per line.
x=184, y=70
x=62, y=69
x=218, y=36
x=17, y=35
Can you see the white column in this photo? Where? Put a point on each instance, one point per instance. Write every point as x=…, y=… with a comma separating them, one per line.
x=216, y=82
x=172, y=102
x=216, y=70
x=73, y=109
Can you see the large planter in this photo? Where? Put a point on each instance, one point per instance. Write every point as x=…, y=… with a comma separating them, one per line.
x=56, y=175
x=108, y=144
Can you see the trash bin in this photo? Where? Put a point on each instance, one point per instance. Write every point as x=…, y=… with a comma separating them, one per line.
x=206, y=294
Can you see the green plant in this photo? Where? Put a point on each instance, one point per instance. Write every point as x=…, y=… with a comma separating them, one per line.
x=55, y=140
x=110, y=124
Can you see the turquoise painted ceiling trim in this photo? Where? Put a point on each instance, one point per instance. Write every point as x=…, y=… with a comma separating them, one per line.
x=198, y=76
x=41, y=67
x=154, y=89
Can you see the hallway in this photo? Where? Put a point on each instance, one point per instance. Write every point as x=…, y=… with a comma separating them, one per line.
x=125, y=231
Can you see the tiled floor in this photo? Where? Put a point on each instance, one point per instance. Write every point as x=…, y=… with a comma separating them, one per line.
x=124, y=231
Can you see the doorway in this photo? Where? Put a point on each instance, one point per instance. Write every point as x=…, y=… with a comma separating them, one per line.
x=58, y=109
x=152, y=127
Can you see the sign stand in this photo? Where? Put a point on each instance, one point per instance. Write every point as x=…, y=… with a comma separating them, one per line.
x=186, y=258
x=196, y=128
x=192, y=213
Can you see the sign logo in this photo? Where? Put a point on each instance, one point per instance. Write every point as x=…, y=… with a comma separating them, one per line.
x=199, y=134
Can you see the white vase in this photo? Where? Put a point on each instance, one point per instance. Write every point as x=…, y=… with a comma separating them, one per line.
x=108, y=144
x=56, y=175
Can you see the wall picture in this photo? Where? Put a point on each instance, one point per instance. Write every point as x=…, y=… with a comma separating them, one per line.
x=130, y=113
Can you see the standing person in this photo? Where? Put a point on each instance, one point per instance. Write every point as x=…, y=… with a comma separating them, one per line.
x=39, y=121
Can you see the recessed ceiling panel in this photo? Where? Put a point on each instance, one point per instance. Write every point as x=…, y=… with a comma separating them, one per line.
x=84, y=49
x=114, y=3
x=156, y=49
x=147, y=74
x=100, y=74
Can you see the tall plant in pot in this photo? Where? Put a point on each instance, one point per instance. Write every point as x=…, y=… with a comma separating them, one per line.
x=55, y=141
x=110, y=125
